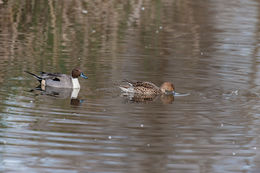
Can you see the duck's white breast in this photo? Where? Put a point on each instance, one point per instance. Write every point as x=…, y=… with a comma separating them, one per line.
x=75, y=83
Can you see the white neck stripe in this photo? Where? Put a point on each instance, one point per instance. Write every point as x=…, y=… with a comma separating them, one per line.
x=75, y=83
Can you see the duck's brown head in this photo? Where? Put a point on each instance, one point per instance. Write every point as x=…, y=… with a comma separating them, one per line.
x=76, y=72
x=167, y=88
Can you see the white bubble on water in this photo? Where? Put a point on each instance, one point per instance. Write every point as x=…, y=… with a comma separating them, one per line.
x=84, y=11
x=235, y=92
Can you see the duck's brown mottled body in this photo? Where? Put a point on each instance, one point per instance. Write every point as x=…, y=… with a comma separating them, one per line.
x=147, y=88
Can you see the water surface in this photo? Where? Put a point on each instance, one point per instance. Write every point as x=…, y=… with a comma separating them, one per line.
x=208, y=49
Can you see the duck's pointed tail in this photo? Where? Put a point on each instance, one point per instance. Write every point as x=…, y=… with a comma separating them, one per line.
x=128, y=81
x=34, y=75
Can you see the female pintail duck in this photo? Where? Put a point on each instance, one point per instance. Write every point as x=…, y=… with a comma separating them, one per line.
x=60, y=80
x=147, y=88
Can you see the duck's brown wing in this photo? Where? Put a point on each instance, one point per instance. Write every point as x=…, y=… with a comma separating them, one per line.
x=141, y=84
x=145, y=85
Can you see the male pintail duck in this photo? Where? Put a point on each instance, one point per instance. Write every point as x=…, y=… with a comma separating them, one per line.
x=147, y=88
x=60, y=80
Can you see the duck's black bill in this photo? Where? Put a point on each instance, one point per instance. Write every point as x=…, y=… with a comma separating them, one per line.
x=83, y=76
x=169, y=92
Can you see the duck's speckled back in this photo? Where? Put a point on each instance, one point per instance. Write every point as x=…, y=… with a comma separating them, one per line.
x=141, y=88
x=147, y=89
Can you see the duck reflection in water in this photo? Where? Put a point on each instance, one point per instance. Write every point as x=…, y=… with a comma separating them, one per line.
x=61, y=93
x=147, y=91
